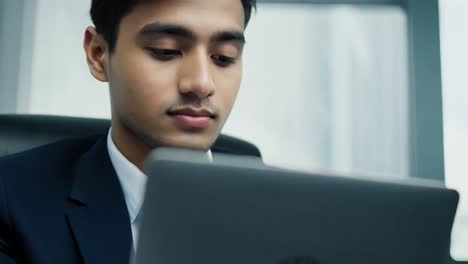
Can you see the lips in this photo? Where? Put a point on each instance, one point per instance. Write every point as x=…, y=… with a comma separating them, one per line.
x=193, y=112
x=192, y=118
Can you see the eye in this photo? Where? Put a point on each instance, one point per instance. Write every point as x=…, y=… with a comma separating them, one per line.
x=222, y=60
x=164, y=54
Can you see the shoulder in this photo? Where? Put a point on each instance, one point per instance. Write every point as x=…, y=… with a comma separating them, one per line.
x=41, y=165
x=46, y=156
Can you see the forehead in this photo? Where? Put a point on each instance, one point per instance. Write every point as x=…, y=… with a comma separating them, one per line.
x=200, y=16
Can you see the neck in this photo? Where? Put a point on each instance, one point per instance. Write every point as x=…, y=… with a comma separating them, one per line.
x=131, y=147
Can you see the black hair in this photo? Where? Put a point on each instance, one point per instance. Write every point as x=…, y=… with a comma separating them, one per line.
x=107, y=14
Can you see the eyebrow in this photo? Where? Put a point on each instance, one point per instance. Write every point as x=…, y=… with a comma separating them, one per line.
x=159, y=28
x=229, y=36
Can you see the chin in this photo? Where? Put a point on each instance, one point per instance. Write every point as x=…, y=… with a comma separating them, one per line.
x=197, y=142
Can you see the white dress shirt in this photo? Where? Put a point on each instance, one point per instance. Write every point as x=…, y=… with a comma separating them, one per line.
x=133, y=182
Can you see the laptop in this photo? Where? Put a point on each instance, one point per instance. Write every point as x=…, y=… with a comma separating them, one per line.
x=235, y=210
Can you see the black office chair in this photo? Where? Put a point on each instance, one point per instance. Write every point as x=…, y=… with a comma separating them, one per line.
x=22, y=132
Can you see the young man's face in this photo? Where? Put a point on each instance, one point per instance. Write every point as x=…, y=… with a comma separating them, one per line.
x=176, y=70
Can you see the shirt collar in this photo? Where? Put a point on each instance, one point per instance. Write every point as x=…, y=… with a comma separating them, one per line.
x=132, y=179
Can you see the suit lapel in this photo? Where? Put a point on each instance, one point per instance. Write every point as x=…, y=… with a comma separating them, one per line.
x=97, y=213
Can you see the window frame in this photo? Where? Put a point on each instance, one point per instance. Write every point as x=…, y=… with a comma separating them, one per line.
x=426, y=149
x=425, y=95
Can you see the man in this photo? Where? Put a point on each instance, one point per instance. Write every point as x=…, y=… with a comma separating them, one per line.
x=174, y=68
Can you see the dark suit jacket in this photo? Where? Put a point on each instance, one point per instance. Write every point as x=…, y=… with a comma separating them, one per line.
x=62, y=203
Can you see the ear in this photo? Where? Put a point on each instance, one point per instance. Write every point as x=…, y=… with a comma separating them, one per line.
x=95, y=48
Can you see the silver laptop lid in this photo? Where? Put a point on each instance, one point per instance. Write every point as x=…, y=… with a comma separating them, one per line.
x=236, y=210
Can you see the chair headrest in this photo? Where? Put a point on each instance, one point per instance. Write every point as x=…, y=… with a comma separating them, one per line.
x=22, y=132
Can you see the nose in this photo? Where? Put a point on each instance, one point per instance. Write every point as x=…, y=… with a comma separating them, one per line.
x=196, y=77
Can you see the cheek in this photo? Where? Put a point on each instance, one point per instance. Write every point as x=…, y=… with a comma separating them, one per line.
x=141, y=85
x=227, y=89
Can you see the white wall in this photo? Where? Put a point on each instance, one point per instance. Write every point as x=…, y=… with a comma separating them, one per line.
x=454, y=48
x=60, y=81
